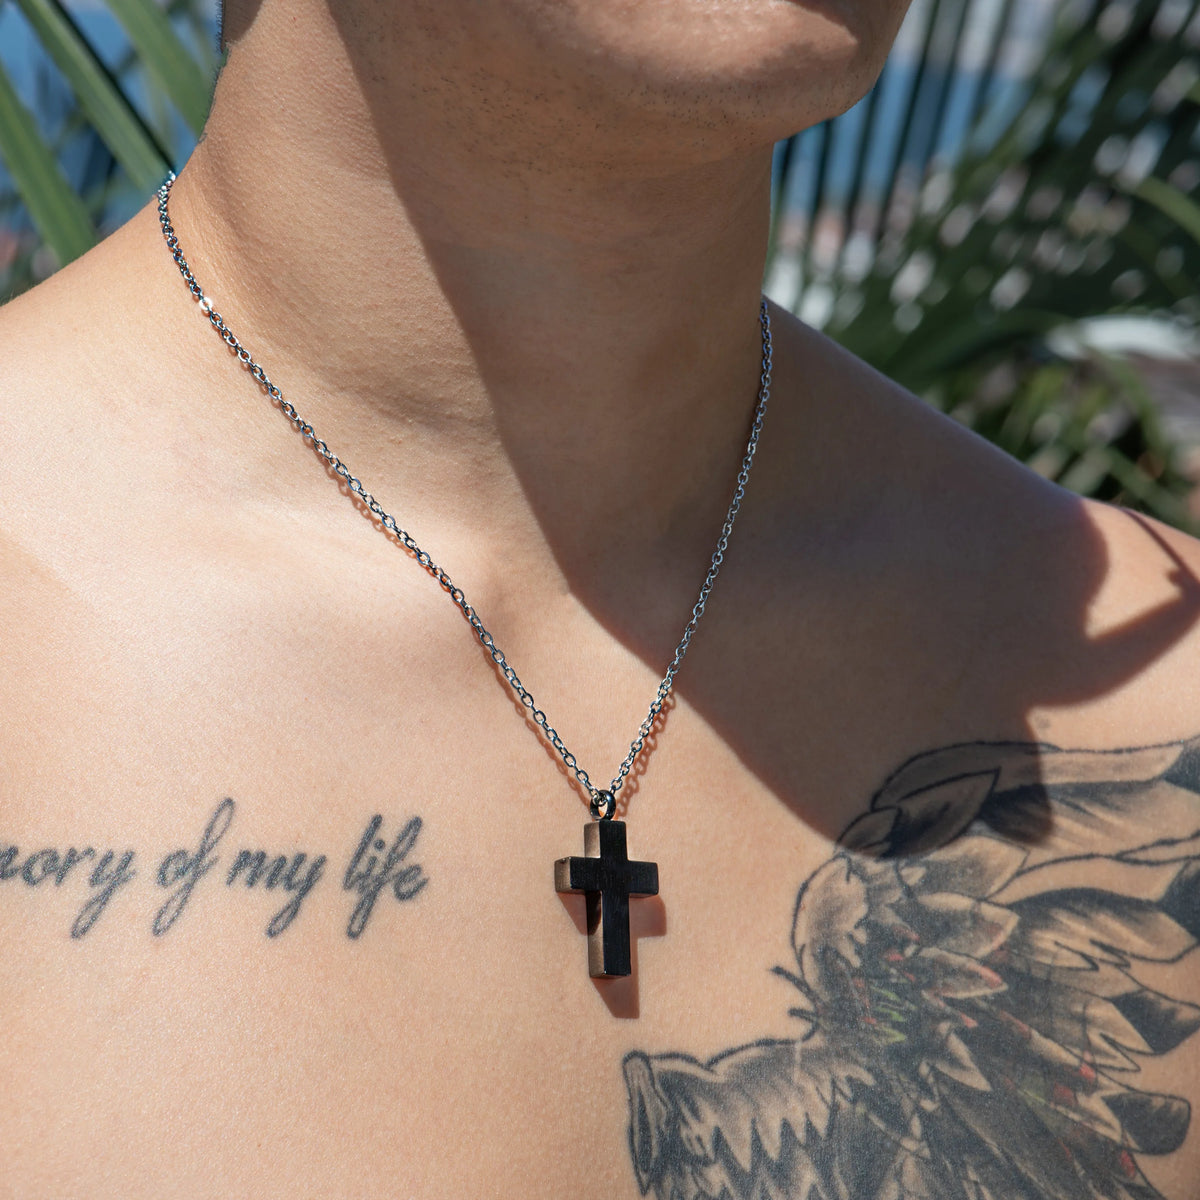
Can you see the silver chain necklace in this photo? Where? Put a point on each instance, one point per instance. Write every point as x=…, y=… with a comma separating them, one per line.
x=605, y=875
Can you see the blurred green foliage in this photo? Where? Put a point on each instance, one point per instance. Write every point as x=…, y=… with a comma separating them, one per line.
x=102, y=127
x=1077, y=201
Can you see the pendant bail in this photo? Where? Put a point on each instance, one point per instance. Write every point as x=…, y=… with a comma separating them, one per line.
x=603, y=805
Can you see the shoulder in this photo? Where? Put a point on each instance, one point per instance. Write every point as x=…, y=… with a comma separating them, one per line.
x=105, y=505
x=910, y=497
x=931, y=590
x=104, y=399
x=59, y=352
x=68, y=389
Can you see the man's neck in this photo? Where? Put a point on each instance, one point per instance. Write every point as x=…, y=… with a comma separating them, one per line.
x=516, y=308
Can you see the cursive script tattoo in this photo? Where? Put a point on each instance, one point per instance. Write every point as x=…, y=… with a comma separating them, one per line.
x=967, y=981
x=181, y=872
x=44, y=865
x=367, y=874
x=279, y=873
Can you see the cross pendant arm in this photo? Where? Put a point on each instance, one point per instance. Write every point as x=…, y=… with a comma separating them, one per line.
x=606, y=878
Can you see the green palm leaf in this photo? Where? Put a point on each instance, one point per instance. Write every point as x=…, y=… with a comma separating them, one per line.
x=58, y=213
x=133, y=145
x=166, y=58
x=1181, y=209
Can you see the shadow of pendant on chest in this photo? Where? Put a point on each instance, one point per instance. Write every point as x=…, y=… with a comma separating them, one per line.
x=606, y=878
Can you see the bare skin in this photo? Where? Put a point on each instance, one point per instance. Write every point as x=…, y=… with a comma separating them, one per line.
x=508, y=266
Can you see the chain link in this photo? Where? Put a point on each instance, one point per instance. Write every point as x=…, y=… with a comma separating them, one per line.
x=603, y=801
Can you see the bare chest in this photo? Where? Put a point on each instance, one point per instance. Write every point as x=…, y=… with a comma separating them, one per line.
x=281, y=892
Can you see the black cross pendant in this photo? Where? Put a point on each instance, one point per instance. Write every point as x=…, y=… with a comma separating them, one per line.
x=607, y=878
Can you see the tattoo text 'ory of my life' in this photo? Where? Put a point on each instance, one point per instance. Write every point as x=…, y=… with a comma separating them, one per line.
x=381, y=861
